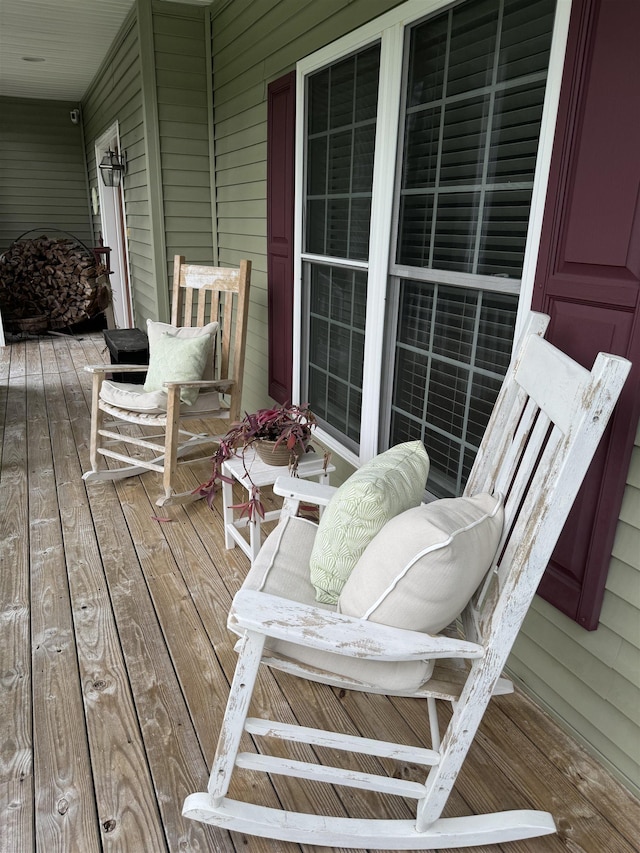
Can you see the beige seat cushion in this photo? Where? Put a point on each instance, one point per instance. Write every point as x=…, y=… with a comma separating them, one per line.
x=282, y=568
x=133, y=398
x=423, y=567
x=151, y=399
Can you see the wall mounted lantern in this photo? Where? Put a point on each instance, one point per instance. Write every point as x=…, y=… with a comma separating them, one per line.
x=112, y=167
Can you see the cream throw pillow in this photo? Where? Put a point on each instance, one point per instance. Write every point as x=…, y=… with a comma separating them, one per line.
x=155, y=329
x=174, y=359
x=423, y=567
x=388, y=484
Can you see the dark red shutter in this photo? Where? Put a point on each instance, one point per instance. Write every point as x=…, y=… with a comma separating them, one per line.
x=280, y=200
x=588, y=276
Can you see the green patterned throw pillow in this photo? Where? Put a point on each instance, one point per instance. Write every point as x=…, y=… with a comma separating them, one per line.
x=387, y=485
x=173, y=359
x=156, y=329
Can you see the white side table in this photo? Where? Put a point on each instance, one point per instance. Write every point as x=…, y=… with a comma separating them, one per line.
x=261, y=475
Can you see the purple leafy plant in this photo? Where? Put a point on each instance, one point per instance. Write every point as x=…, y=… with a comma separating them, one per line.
x=289, y=425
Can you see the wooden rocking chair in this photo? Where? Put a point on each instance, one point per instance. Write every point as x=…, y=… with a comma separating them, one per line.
x=544, y=430
x=207, y=334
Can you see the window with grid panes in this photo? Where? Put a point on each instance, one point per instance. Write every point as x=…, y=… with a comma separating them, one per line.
x=452, y=348
x=472, y=94
x=473, y=102
x=341, y=128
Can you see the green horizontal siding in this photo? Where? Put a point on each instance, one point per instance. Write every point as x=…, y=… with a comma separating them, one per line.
x=605, y=732
x=115, y=94
x=591, y=680
x=155, y=87
x=43, y=183
x=182, y=84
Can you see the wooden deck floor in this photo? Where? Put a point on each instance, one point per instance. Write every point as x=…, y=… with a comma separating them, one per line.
x=115, y=660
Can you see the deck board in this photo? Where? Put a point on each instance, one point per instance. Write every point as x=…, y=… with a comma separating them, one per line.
x=111, y=715
x=65, y=807
x=16, y=741
x=116, y=661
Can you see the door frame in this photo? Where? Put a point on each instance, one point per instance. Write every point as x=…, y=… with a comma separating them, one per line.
x=113, y=229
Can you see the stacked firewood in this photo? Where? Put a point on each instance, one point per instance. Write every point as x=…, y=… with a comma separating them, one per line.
x=51, y=283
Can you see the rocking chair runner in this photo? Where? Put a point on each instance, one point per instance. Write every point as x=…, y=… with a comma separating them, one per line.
x=544, y=430
x=209, y=304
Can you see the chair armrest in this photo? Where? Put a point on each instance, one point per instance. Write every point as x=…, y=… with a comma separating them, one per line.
x=116, y=368
x=304, y=490
x=322, y=629
x=215, y=384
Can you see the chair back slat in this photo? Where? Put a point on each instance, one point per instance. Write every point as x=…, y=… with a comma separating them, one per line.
x=507, y=411
x=516, y=449
x=203, y=311
x=514, y=479
x=523, y=508
x=226, y=319
x=518, y=478
x=187, y=312
x=177, y=296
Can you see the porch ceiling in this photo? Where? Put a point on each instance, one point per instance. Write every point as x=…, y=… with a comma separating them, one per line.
x=72, y=38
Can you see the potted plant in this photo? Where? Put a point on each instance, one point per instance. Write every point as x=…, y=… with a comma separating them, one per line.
x=279, y=435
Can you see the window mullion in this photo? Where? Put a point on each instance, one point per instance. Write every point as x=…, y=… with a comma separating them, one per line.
x=326, y=177
x=487, y=141
x=467, y=403
x=386, y=144
x=443, y=110
x=432, y=329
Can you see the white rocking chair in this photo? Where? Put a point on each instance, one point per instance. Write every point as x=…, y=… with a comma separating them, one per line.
x=544, y=430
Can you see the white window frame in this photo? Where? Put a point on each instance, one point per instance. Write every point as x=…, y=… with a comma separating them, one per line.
x=389, y=30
